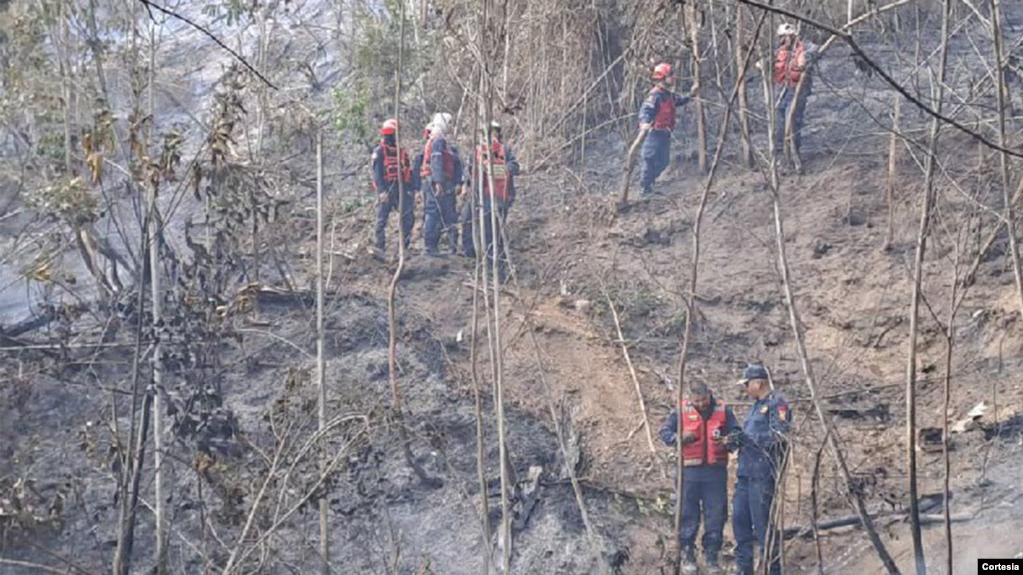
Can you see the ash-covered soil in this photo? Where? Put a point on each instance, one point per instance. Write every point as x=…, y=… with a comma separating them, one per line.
x=249, y=492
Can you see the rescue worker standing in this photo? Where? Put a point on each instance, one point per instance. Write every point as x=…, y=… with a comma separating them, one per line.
x=388, y=168
x=440, y=173
x=502, y=156
x=792, y=62
x=417, y=162
x=763, y=447
x=706, y=424
x=657, y=117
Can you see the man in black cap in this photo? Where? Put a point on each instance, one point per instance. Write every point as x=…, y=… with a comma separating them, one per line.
x=762, y=446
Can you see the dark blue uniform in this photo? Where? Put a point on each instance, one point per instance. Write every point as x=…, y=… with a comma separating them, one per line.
x=704, y=485
x=441, y=210
x=657, y=146
x=394, y=200
x=761, y=458
x=417, y=180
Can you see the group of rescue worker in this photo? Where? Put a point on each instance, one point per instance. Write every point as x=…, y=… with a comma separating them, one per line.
x=485, y=187
x=710, y=433
x=439, y=173
x=709, y=430
x=792, y=76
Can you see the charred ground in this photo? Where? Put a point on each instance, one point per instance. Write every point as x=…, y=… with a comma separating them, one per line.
x=246, y=472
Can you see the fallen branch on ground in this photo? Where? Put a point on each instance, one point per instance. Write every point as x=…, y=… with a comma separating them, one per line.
x=927, y=503
x=632, y=372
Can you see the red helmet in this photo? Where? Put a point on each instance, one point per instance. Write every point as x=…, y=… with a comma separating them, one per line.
x=662, y=71
x=389, y=128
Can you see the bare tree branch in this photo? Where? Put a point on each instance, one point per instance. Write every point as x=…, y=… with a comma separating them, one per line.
x=184, y=19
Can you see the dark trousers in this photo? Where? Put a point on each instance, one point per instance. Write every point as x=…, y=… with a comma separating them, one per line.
x=781, y=113
x=709, y=498
x=656, y=154
x=751, y=523
x=493, y=238
x=441, y=216
x=468, y=219
x=384, y=213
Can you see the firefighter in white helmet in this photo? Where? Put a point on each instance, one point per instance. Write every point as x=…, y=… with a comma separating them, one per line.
x=793, y=60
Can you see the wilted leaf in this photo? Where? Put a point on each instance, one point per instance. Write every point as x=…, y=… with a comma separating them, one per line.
x=95, y=162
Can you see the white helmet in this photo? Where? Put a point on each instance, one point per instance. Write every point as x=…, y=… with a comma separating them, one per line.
x=786, y=29
x=440, y=123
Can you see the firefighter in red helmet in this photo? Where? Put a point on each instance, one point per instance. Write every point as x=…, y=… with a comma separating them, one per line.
x=657, y=118
x=393, y=182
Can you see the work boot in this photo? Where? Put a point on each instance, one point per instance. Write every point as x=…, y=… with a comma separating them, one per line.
x=688, y=564
x=712, y=567
x=646, y=190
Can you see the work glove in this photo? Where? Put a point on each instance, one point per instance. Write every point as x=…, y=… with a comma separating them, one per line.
x=382, y=198
x=737, y=439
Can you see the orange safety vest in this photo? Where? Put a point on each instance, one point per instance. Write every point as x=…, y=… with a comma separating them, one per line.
x=785, y=72
x=496, y=167
x=449, y=162
x=665, y=118
x=392, y=167
x=704, y=451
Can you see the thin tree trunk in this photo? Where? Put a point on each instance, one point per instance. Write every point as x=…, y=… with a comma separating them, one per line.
x=154, y=272
x=996, y=30
x=481, y=462
x=392, y=291
x=132, y=475
x=715, y=45
x=135, y=456
x=321, y=366
x=62, y=40
x=953, y=307
x=157, y=403
x=938, y=93
x=892, y=155
x=506, y=535
x=740, y=68
x=701, y=116
x=815, y=481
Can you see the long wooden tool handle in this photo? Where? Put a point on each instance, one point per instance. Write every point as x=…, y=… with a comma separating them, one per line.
x=630, y=163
